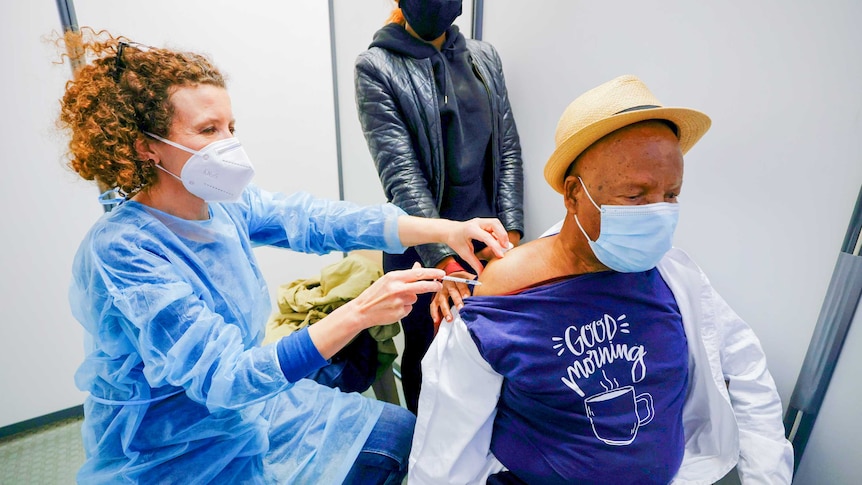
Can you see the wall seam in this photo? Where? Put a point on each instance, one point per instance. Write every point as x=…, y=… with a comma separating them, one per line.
x=336, y=109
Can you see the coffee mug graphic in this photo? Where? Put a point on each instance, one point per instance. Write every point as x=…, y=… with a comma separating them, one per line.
x=615, y=415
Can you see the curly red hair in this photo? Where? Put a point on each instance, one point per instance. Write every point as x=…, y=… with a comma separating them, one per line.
x=115, y=98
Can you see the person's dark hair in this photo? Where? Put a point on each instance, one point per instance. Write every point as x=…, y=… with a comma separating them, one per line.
x=571, y=170
x=112, y=100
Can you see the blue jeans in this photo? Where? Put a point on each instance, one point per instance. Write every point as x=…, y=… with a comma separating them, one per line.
x=383, y=458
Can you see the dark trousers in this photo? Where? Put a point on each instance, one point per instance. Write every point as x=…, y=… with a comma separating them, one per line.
x=418, y=331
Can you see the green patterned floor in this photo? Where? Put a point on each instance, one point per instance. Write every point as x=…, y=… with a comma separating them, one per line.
x=48, y=455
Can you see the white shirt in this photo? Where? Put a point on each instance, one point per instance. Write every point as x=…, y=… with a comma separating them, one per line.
x=732, y=415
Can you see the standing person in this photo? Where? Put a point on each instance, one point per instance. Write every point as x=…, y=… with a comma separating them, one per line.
x=174, y=305
x=600, y=353
x=436, y=115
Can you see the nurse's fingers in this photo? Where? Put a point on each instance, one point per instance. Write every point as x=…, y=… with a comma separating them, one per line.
x=488, y=231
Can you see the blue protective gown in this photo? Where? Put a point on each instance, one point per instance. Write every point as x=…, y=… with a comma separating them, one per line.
x=174, y=311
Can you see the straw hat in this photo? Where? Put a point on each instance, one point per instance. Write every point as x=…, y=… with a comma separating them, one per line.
x=617, y=103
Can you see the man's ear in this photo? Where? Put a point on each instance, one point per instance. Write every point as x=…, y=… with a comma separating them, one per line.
x=571, y=186
x=145, y=152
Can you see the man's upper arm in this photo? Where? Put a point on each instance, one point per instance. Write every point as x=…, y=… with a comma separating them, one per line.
x=457, y=407
x=765, y=454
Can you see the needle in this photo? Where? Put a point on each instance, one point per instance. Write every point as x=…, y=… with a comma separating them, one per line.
x=461, y=280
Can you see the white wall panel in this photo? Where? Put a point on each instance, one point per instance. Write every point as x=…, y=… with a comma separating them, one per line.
x=832, y=452
x=45, y=213
x=355, y=24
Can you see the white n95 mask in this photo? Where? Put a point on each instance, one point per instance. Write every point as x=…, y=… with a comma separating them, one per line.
x=218, y=172
x=632, y=238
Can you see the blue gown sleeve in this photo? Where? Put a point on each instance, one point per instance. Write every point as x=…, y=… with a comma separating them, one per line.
x=308, y=224
x=176, y=303
x=147, y=300
x=298, y=356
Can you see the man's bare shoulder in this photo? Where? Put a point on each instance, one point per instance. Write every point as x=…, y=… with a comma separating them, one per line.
x=522, y=266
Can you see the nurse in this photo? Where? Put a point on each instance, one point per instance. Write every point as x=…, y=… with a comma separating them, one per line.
x=174, y=304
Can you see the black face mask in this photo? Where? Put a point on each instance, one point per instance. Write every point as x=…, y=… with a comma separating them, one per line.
x=430, y=18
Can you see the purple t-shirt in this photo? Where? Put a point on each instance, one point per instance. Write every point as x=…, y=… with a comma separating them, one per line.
x=595, y=373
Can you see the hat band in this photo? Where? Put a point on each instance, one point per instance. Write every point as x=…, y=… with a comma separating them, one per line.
x=638, y=108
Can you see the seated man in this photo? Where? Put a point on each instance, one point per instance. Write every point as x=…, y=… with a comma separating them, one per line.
x=599, y=354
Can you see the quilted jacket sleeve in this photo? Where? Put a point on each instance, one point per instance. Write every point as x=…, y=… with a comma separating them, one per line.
x=396, y=101
x=510, y=180
x=386, y=112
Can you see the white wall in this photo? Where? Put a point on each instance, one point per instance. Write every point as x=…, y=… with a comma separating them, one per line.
x=277, y=57
x=769, y=190
x=355, y=24
x=832, y=453
x=45, y=212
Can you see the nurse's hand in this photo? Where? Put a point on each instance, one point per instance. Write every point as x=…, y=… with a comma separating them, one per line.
x=413, y=231
x=489, y=231
x=386, y=301
x=487, y=255
x=392, y=296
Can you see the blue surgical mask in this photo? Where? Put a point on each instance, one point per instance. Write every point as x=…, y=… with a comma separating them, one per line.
x=633, y=238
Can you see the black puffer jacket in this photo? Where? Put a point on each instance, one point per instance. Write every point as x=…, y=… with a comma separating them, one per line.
x=397, y=102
